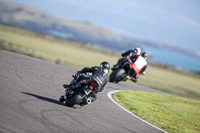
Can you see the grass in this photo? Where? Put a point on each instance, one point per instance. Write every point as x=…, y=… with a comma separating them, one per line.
x=171, y=113
x=69, y=53
x=172, y=82
x=77, y=55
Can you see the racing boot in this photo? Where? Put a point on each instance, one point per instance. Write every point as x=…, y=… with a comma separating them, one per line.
x=65, y=86
x=64, y=96
x=70, y=86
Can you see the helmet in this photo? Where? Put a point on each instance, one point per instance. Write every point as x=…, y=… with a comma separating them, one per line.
x=144, y=54
x=137, y=50
x=105, y=65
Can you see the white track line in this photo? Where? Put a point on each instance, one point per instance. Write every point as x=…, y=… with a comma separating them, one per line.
x=109, y=94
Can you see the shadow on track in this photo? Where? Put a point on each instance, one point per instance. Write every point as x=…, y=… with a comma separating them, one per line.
x=44, y=98
x=47, y=99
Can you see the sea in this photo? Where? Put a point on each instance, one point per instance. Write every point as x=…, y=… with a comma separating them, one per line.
x=175, y=59
x=178, y=60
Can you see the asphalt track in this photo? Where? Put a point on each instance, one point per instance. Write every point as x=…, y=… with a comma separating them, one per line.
x=29, y=93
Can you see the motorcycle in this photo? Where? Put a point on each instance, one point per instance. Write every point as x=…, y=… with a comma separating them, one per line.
x=125, y=68
x=83, y=92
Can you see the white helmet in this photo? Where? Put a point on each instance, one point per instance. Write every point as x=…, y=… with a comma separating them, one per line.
x=138, y=49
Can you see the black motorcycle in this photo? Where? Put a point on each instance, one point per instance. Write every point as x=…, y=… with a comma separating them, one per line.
x=81, y=93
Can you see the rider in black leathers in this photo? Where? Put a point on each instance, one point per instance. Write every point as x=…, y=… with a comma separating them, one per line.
x=98, y=74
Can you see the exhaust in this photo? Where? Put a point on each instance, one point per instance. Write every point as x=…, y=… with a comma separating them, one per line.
x=88, y=101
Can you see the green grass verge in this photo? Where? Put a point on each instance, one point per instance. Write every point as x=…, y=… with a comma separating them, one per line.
x=77, y=55
x=171, y=113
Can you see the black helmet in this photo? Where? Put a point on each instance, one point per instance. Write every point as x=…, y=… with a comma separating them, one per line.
x=105, y=65
x=144, y=54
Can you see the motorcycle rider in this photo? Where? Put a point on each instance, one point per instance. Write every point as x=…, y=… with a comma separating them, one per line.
x=98, y=74
x=136, y=51
x=139, y=66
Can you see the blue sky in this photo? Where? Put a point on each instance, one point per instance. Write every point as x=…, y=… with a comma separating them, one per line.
x=176, y=22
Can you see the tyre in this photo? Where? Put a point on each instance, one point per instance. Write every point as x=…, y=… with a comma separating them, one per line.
x=76, y=99
x=112, y=77
x=116, y=75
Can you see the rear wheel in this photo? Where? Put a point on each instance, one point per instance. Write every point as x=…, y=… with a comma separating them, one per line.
x=76, y=99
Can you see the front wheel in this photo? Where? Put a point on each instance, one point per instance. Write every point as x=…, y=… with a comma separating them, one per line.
x=117, y=75
x=62, y=99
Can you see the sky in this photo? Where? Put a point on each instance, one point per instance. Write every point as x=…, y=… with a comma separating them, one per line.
x=174, y=22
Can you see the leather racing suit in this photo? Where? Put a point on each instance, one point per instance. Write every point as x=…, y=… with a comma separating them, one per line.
x=100, y=75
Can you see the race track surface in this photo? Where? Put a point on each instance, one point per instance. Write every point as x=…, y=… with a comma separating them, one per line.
x=29, y=93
